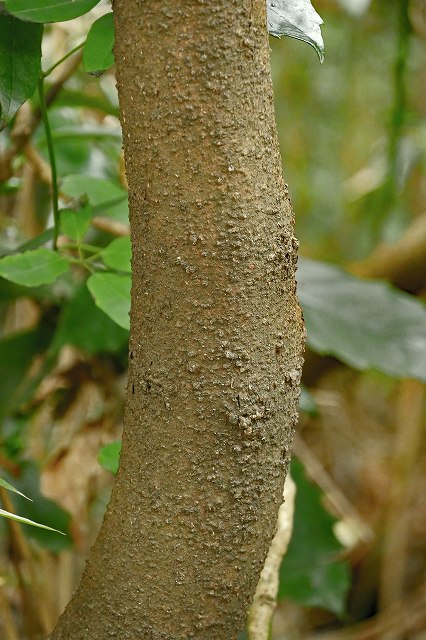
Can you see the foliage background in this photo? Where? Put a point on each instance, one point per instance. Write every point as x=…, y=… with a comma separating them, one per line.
x=353, y=138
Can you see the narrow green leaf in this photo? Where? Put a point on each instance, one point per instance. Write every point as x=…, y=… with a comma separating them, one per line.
x=74, y=223
x=20, y=56
x=9, y=487
x=109, y=456
x=97, y=54
x=13, y=516
x=297, y=19
x=310, y=572
x=118, y=254
x=33, y=268
x=111, y=292
x=367, y=324
x=49, y=10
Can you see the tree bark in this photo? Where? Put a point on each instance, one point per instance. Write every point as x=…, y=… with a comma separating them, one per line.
x=216, y=330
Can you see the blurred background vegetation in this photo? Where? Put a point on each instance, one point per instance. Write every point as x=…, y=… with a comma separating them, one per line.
x=353, y=141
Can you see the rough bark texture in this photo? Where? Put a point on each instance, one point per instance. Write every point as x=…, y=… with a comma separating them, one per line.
x=216, y=330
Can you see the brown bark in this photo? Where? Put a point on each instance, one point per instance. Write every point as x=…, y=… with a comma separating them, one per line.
x=216, y=330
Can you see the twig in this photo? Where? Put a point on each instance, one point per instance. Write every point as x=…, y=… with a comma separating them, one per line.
x=265, y=598
x=21, y=135
x=113, y=227
x=52, y=160
x=407, y=447
x=337, y=499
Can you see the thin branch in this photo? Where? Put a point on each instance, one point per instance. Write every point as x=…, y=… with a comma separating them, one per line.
x=52, y=160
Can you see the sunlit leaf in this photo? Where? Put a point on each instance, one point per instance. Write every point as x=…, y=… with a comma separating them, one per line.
x=74, y=223
x=311, y=572
x=109, y=456
x=49, y=10
x=297, y=19
x=13, y=516
x=111, y=292
x=32, y=268
x=367, y=324
x=106, y=197
x=117, y=254
x=9, y=487
x=51, y=516
x=20, y=55
x=97, y=54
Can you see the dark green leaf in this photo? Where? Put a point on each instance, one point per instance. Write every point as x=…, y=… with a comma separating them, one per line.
x=310, y=572
x=97, y=54
x=111, y=292
x=109, y=456
x=118, y=254
x=83, y=325
x=32, y=268
x=49, y=10
x=20, y=56
x=74, y=223
x=367, y=324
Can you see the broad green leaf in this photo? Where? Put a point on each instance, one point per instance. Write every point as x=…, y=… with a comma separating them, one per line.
x=111, y=292
x=109, y=456
x=118, y=254
x=49, y=10
x=51, y=516
x=83, y=325
x=97, y=54
x=310, y=572
x=74, y=223
x=10, y=487
x=297, y=19
x=20, y=55
x=367, y=324
x=22, y=520
x=105, y=196
x=32, y=268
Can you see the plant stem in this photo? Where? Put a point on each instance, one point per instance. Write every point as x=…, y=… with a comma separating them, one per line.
x=61, y=60
x=52, y=161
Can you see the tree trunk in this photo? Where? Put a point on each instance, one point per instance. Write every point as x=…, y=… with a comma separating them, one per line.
x=216, y=330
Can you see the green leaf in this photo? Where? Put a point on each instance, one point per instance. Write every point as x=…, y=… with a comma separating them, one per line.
x=13, y=516
x=367, y=324
x=20, y=56
x=74, y=223
x=105, y=196
x=32, y=268
x=109, y=456
x=297, y=19
x=111, y=292
x=41, y=510
x=310, y=573
x=9, y=487
x=85, y=326
x=97, y=54
x=118, y=254
x=49, y=10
